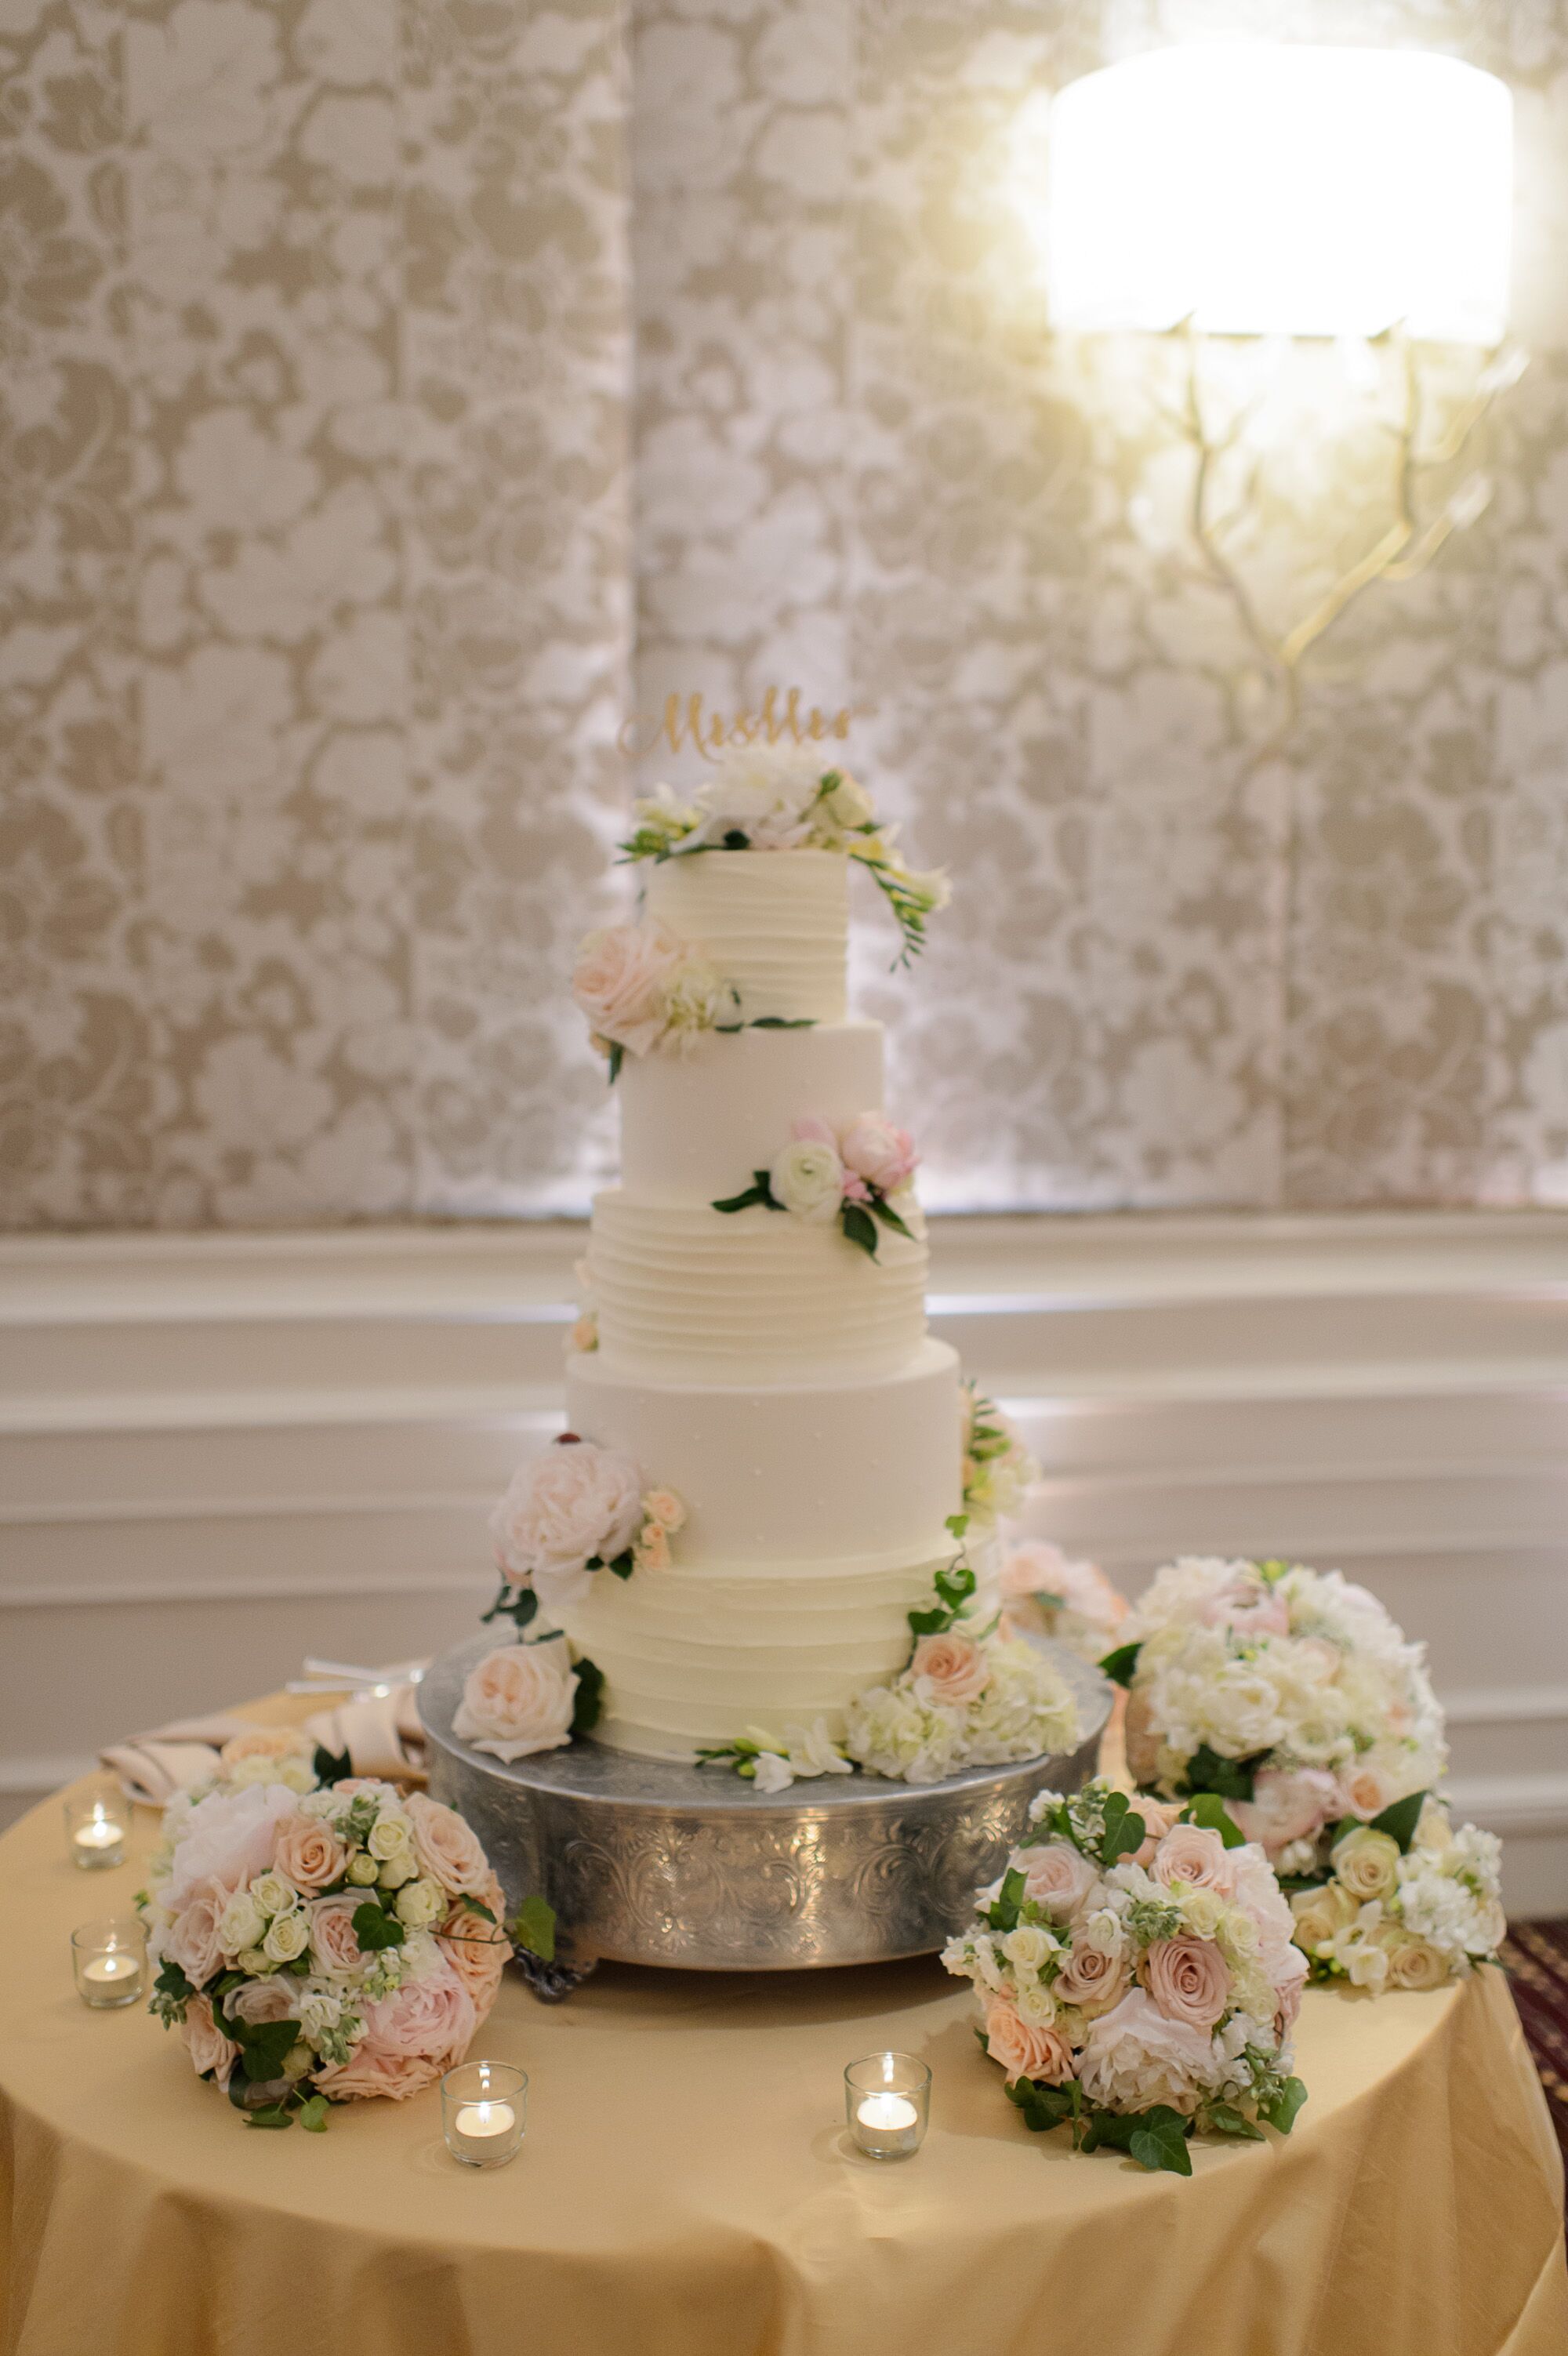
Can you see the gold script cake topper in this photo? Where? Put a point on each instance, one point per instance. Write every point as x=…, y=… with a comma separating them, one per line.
x=686, y=720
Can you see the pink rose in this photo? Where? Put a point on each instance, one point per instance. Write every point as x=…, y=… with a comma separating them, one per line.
x=476, y=1949
x=812, y=1130
x=370, y=2070
x=308, y=1853
x=208, y=2049
x=576, y=1502
x=192, y=1940
x=518, y=1700
x=334, y=1949
x=1192, y=1853
x=432, y=2016
x=1287, y=1805
x=1247, y=1605
x=226, y=1838
x=1158, y=1816
x=622, y=979
x=884, y=1156
x=1091, y=1978
x=447, y=1850
x=1289, y=1976
x=1133, y=2057
x=953, y=1669
x=269, y=1999
x=1259, y=1894
x=1023, y=2050
x=1364, y=1792
x=1188, y=1979
x=1058, y=1877
x=1034, y=1567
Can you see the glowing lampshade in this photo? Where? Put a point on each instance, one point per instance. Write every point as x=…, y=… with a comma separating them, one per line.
x=1297, y=191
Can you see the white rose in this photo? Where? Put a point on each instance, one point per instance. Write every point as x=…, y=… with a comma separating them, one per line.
x=420, y=1904
x=518, y=1700
x=362, y=1870
x=396, y=1871
x=288, y=1935
x=241, y=1924
x=807, y=1180
x=252, y=1960
x=389, y=1838
x=572, y=1503
x=272, y=1894
x=1029, y=1946
x=622, y=979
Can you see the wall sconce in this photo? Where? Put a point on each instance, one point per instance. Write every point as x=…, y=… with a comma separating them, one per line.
x=1237, y=189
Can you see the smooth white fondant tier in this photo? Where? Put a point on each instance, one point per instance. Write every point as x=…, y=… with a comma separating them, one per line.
x=687, y=1294
x=868, y=1468
x=695, y=1126
x=690, y=1657
x=775, y=924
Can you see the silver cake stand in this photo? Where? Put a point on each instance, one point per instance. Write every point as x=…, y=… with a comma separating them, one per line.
x=646, y=1862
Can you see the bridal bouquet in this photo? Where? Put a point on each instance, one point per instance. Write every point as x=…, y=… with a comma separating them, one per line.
x=319, y=1940
x=1408, y=1903
x=1137, y=1979
x=1047, y=1591
x=1288, y=1692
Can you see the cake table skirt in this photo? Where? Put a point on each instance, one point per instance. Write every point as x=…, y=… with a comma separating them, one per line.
x=685, y=2189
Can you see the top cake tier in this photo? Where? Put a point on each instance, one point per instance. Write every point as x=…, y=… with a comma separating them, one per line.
x=773, y=924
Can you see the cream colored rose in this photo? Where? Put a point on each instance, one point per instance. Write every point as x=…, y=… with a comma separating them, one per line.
x=1202, y=1911
x=1028, y=1946
x=296, y=1775
x=949, y=1669
x=241, y=1924
x=266, y=1742
x=288, y=1935
x=1025, y=2052
x=272, y=1894
x=420, y=1904
x=518, y=1700
x=362, y=1870
x=622, y=979
x=1412, y=1963
x=652, y=1550
x=389, y=1838
x=806, y=1179
x=1321, y=1914
x=396, y=1871
x=663, y=1506
x=1367, y=1862
x=1434, y=1833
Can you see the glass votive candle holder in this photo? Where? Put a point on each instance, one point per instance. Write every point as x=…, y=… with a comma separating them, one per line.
x=96, y=1828
x=110, y=1960
x=887, y=2098
x=483, y=2110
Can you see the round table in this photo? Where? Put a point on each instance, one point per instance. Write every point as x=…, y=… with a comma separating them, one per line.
x=686, y=2189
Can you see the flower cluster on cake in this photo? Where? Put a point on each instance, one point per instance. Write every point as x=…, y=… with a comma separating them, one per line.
x=1055, y=1594
x=1290, y=1693
x=319, y=1940
x=1137, y=1977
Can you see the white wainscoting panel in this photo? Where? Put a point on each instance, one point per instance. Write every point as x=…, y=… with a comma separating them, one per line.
x=220, y=1452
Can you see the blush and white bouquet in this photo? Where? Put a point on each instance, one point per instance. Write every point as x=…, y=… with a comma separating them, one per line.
x=856, y=1175
x=1048, y=1591
x=569, y=1512
x=782, y=797
x=643, y=988
x=997, y=1467
x=1137, y=1977
x=1408, y=1902
x=319, y=1940
x=1289, y=1692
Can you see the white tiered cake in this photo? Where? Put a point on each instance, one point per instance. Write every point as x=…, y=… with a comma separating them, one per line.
x=768, y=1369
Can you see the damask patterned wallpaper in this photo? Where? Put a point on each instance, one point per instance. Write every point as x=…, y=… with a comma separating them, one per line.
x=399, y=392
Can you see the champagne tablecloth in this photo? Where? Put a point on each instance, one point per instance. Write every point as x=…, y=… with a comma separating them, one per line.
x=685, y=2189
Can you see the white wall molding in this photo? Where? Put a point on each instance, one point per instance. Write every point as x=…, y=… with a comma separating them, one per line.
x=217, y=1452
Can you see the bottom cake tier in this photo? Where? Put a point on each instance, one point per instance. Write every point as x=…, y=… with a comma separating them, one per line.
x=645, y=1861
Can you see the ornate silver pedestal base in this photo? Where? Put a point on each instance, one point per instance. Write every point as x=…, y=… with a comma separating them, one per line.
x=650, y=1863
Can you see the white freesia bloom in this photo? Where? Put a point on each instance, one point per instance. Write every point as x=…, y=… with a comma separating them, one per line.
x=772, y=1773
x=811, y=1750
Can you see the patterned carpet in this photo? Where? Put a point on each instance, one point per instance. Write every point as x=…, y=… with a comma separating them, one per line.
x=1536, y=1956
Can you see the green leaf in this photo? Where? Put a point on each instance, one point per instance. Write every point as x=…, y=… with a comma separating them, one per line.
x=931, y=1622
x=1224, y=2118
x=1281, y=2113
x=622, y=1566
x=1125, y=1831
x=859, y=1228
x=374, y=1928
x=616, y=1059
x=269, y=2115
x=533, y=1927
x=781, y=1022
x=172, y=1981
x=956, y=1584
x=1208, y=1771
x=331, y=1766
x=520, y=1611
x=264, y=2052
x=1002, y=1913
x=761, y=1193
x=957, y=1525
x=1159, y=2140
x=313, y=2114
x=475, y=1906
x=735, y=840
x=1043, y=2108
x=1401, y=1820
x=1121, y=1664
x=1207, y=1809
x=882, y=1209
x=590, y=1696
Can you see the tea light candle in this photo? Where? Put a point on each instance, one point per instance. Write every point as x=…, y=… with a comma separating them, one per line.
x=109, y=1961
x=97, y=1837
x=483, y=2110
x=887, y=2098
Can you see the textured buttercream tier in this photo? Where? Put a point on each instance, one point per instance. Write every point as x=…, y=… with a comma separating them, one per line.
x=695, y=1126
x=754, y=1296
x=775, y=924
x=869, y=1469
x=692, y=1658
